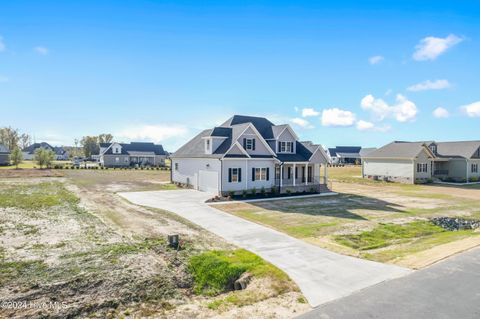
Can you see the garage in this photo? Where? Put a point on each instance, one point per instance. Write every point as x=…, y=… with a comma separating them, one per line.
x=208, y=181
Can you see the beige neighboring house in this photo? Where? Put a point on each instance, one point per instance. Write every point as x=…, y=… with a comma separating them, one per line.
x=419, y=162
x=246, y=153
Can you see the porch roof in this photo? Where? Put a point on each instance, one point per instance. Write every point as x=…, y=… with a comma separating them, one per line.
x=138, y=153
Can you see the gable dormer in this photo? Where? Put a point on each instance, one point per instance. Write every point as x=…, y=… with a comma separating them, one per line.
x=477, y=153
x=116, y=148
x=211, y=143
x=433, y=147
x=286, y=141
x=252, y=141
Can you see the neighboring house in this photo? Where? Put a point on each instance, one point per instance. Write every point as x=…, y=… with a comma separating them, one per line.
x=29, y=152
x=345, y=154
x=4, y=155
x=136, y=153
x=413, y=162
x=246, y=153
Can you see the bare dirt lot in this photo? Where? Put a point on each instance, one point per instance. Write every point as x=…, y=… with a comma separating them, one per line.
x=70, y=247
x=384, y=222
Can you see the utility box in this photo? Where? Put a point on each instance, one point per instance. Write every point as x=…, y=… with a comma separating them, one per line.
x=173, y=241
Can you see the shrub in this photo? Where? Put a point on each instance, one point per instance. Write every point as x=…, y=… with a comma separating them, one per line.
x=262, y=191
x=253, y=191
x=244, y=193
x=273, y=190
x=474, y=179
x=288, y=191
x=231, y=193
x=312, y=190
x=213, y=274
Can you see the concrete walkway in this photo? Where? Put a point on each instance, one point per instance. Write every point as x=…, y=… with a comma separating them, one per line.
x=321, y=275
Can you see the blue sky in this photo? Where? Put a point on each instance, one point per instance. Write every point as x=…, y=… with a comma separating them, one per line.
x=343, y=73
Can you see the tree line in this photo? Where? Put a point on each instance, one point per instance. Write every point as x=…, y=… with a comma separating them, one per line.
x=15, y=142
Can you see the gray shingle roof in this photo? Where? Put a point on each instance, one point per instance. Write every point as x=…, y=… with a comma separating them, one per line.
x=4, y=149
x=365, y=151
x=139, y=147
x=464, y=149
x=398, y=149
x=232, y=130
x=344, y=149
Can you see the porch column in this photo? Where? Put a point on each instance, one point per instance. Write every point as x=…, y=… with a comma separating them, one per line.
x=281, y=175
x=325, y=173
x=294, y=175
x=306, y=174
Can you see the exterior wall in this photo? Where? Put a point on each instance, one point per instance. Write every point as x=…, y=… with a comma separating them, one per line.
x=188, y=168
x=246, y=166
x=160, y=160
x=423, y=158
x=4, y=159
x=457, y=169
x=318, y=158
x=260, y=148
x=109, y=160
x=394, y=170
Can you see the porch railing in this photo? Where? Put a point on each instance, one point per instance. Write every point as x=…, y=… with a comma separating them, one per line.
x=440, y=172
x=301, y=181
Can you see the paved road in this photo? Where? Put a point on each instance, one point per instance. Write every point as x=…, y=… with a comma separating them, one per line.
x=321, y=275
x=449, y=289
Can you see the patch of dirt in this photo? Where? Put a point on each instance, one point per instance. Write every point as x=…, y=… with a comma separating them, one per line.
x=428, y=257
x=29, y=172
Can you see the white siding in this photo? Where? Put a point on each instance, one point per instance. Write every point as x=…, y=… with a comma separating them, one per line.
x=260, y=148
x=401, y=170
x=188, y=169
x=246, y=166
x=423, y=158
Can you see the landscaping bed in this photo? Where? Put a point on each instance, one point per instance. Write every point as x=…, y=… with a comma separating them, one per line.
x=249, y=196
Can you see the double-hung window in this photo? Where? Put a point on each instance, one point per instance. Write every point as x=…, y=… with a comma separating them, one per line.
x=249, y=143
x=286, y=147
x=422, y=167
x=474, y=168
x=235, y=175
x=260, y=174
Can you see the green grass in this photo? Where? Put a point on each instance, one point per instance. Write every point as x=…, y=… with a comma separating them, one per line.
x=10, y=270
x=33, y=164
x=36, y=196
x=214, y=272
x=388, y=234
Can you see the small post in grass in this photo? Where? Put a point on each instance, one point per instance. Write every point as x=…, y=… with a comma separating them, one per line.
x=174, y=241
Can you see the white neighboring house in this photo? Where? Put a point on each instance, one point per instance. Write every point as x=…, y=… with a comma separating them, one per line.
x=29, y=152
x=417, y=162
x=246, y=153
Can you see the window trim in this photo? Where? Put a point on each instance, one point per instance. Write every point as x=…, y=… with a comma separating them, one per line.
x=286, y=147
x=474, y=168
x=247, y=146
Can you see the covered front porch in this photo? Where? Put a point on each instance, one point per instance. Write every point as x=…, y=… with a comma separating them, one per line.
x=301, y=177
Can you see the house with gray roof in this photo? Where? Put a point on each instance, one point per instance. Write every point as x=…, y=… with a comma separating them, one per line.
x=4, y=155
x=345, y=154
x=29, y=152
x=132, y=154
x=246, y=153
x=416, y=162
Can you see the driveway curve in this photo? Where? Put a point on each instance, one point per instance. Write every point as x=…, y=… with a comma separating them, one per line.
x=321, y=275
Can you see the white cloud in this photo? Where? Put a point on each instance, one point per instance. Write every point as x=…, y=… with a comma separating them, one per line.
x=3, y=47
x=152, y=133
x=430, y=85
x=306, y=112
x=3, y=79
x=364, y=125
x=376, y=59
x=441, y=112
x=430, y=48
x=369, y=126
x=403, y=110
x=472, y=110
x=337, y=117
x=41, y=50
x=302, y=123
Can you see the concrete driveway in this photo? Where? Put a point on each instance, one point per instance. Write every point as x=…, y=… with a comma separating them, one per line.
x=321, y=275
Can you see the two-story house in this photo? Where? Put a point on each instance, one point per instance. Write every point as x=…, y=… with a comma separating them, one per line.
x=246, y=153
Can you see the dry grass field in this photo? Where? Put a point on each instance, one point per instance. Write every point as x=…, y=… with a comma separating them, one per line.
x=380, y=221
x=67, y=239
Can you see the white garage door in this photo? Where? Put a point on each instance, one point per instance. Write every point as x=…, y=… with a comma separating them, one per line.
x=208, y=182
